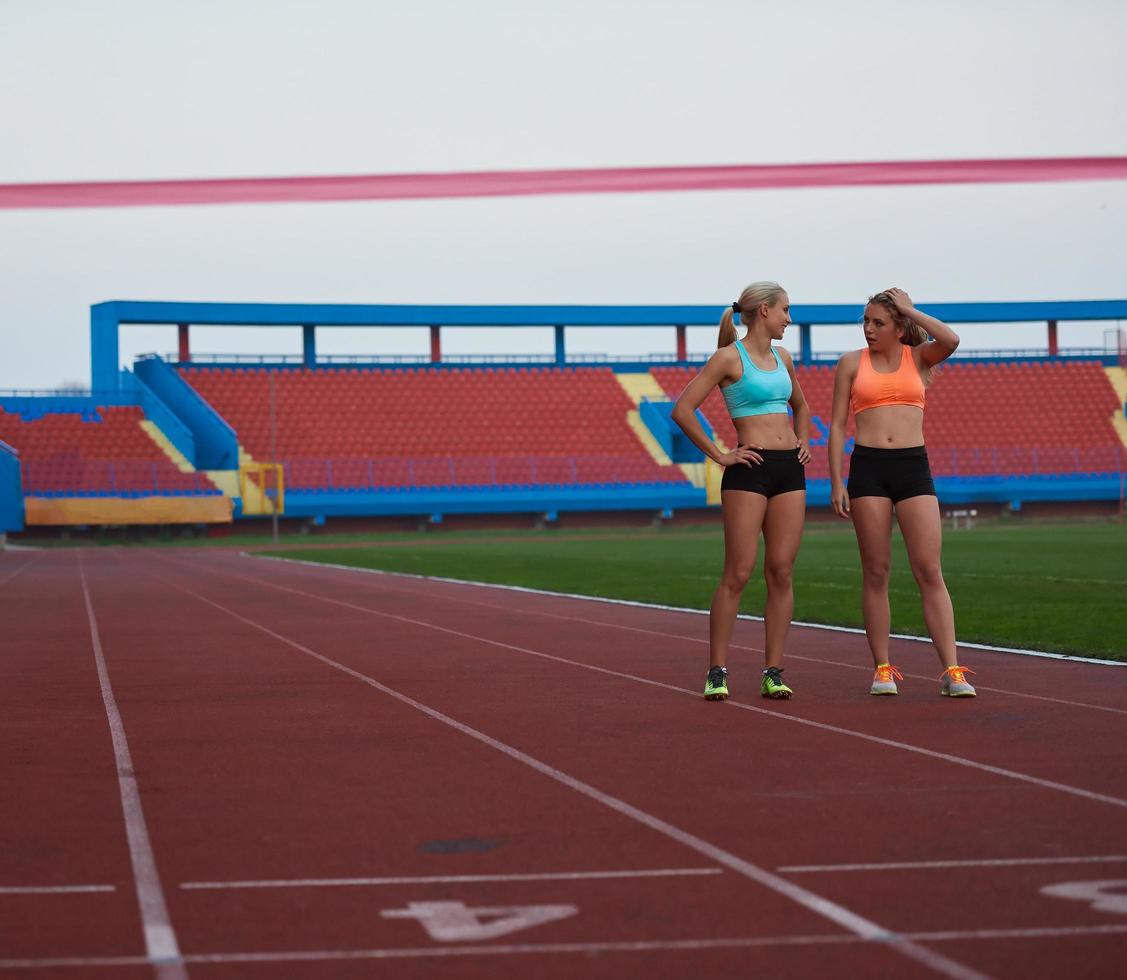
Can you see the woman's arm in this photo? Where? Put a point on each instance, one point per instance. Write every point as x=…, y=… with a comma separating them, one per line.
x=944, y=340
x=843, y=381
x=800, y=407
x=685, y=411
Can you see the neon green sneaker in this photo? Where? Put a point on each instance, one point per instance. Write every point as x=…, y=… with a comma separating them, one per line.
x=773, y=686
x=716, y=686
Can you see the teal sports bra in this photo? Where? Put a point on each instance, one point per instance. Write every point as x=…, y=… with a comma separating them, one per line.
x=758, y=392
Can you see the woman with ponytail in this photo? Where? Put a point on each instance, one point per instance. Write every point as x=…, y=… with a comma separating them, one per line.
x=764, y=484
x=888, y=473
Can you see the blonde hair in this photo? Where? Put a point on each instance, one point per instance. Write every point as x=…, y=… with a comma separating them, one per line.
x=914, y=334
x=750, y=300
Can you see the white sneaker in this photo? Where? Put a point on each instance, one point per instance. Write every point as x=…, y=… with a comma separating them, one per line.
x=884, y=679
x=954, y=683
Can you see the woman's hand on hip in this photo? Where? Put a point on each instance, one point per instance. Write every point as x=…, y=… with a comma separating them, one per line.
x=803, y=452
x=741, y=454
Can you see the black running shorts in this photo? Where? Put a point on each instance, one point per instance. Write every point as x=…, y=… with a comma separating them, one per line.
x=894, y=473
x=780, y=472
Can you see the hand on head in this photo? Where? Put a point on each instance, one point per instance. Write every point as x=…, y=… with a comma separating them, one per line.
x=902, y=300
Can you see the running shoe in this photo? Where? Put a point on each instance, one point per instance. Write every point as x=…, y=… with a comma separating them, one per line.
x=954, y=683
x=773, y=686
x=716, y=686
x=884, y=679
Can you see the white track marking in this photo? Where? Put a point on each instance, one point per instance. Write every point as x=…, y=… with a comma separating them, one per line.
x=449, y=879
x=160, y=939
x=11, y=575
x=456, y=922
x=622, y=675
x=638, y=946
x=697, y=639
x=53, y=889
x=679, y=609
x=837, y=914
x=1047, y=932
x=1109, y=895
x=795, y=869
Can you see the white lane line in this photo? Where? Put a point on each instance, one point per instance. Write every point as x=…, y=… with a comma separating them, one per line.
x=919, y=865
x=449, y=879
x=674, y=636
x=622, y=675
x=53, y=889
x=680, y=609
x=837, y=914
x=638, y=946
x=160, y=939
x=1047, y=932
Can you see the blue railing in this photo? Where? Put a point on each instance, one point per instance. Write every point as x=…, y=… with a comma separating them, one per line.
x=693, y=357
x=106, y=320
x=501, y=471
x=69, y=475
x=34, y=403
x=296, y=360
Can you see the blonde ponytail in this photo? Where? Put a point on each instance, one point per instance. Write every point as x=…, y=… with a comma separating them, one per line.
x=727, y=329
x=747, y=306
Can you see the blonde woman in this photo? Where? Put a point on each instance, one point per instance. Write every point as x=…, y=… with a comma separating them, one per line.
x=884, y=384
x=764, y=484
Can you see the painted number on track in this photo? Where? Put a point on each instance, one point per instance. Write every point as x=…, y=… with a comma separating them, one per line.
x=454, y=922
x=1103, y=896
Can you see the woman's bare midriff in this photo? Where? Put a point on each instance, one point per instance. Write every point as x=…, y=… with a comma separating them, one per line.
x=890, y=427
x=766, y=431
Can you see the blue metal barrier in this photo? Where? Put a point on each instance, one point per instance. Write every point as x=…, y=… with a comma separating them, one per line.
x=11, y=490
x=216, y=446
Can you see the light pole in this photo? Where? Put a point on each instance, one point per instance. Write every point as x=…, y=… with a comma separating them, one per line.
x=273, y=456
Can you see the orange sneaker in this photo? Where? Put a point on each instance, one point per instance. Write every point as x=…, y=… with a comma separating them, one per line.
x=954, y=684
x=884, y=679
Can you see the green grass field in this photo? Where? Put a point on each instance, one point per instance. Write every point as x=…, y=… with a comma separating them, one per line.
x=1057, y=587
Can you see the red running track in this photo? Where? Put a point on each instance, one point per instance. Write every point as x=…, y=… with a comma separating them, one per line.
x=342, y=774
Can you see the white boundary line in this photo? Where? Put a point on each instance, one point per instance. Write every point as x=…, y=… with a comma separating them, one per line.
x=822, y=726
x=160, y=939
x=681, y=609
x=795, y=869
x=53, y=889
x=449, y=879
x=696, y=639
x=837, y=914
x=638, y=946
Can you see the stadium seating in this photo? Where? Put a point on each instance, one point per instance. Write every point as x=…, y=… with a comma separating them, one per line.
x=995, y=417
x=97, y=452
x=345, y=428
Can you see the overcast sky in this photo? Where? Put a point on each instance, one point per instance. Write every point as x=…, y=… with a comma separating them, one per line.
x=125, y=89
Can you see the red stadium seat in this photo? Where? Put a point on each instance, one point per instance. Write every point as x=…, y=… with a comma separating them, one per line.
x=63, y=452
x=428, y=415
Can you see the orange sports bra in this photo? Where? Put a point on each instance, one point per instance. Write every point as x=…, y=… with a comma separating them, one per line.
x=871, y=389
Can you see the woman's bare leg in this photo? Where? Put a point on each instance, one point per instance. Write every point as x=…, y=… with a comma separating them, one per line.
x=782, y=534
x=743, y=519
x=921, y=526
x=872, y=523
